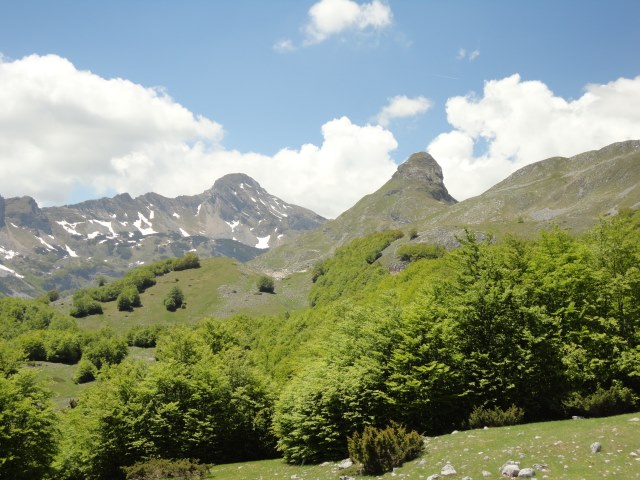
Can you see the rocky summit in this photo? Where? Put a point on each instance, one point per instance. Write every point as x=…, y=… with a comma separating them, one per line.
x=62, y=247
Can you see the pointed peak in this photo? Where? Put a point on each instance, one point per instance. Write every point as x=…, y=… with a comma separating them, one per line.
x=420, y=166
x=236, y=179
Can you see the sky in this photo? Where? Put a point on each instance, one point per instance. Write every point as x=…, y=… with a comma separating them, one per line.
x=317, y=100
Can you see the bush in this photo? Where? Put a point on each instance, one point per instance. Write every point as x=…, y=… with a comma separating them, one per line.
x=84, y=305
x=265, y=284
x=105, y=350
x=174, y=299
x=143, y=336
x=159, y=468
x=495, y=417
x=53, y=295
x=86, y=372
x=616, y=400
x=128, y=298
x=381, y=450
x=62, y=346
x=412, y=252
x=190, y=260
x=33, y=344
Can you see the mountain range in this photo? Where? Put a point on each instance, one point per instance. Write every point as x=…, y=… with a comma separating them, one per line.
x=66, y=247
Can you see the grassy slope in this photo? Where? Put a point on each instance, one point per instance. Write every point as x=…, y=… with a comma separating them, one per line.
x=221, y=287
x=564, y=447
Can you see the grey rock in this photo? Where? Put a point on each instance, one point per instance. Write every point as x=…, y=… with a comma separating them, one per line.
x=596, y=447
x=435, y=476
x=485, y=474
x=527, y=473
x=510, y=469
x=346, y=477
x=448, y=470
x=346, y=463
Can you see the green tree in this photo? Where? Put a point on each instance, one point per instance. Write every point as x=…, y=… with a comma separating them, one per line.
x=28, y=428
x=128, y=299
x=174, y=299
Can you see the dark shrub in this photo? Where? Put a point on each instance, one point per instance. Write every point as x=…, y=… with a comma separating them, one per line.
x=265, y=284
x=143, y=336
x=381, y=450
x=128, y=298
x=615, y=400
x=105, y=350
x=84, y=305
x=174, y=299
x=86, y=372
x=160, y=468
x=495, y=417
x=190, y=260
x=412, y=252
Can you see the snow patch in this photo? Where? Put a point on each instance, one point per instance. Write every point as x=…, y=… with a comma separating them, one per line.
x=280, y=236
x=2, y=267
x=148, y=230
x=151, y=213
x=175, y=215
x=14, y=225
x=93, y=235
x=184, y=234
x=198, y=212
x=263, y=242
x=46, y=245
x=106, y=225
x=233, y=225
x=242, y=186
x=70, y=227
x=253, y=200
x=69, y=251
x=8, y=254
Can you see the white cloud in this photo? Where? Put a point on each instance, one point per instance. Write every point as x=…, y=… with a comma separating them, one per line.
x=333, y=17
x=61, y=128
x=284, y=46
x=522, y=122
x=402, y=106
x=463, y=53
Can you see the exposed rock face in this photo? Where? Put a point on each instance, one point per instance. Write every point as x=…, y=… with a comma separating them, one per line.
x=24, y=212
x=421, y=168
x=1, y=211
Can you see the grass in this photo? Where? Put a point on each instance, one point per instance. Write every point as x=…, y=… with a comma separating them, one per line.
x=563, y=446
x=221, y=287
x=58, y=378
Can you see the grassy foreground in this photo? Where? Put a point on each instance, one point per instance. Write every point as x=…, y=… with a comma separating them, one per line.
x=563, y=447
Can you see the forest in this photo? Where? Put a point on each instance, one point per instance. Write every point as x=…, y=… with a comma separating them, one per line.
x=492, y=332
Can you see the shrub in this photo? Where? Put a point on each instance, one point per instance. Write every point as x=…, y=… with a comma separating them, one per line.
x=265, y=284
x=190, y=260
x=33, y=344
x=105, y=350
x=86, y=372
x=381, y=450
x=128, y=298
x=84, y=305
x=412, y=252
x=62, y=346
x=413, y=233
x=615, y=400
x=174, y=299
x=495, y=417
x=159, y=468
x=53, y=295
x=143, y=336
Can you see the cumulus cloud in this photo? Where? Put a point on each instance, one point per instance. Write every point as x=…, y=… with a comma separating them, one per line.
x=284, y=46
x=402, y=106
x=333, y=17
x=63, y=129
x=520, y=122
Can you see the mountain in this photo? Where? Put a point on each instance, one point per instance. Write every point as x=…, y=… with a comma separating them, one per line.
x=572, y=193
x=415, y=193
x=62, y=247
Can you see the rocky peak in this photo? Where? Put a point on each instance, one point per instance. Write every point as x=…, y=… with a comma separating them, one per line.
x=422, y=170
x=25, y=212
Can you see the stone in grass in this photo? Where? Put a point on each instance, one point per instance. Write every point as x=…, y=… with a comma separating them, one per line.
x=485, y=474
x=527, y=473
x=596, y=447
x=346, y=477
x=346, y=463
x=448, y=470
x=510, y=469
x=435, y=476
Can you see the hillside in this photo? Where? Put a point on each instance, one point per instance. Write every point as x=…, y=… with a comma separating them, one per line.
x=569, y=192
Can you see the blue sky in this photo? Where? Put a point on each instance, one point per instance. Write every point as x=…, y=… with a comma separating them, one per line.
x=274, y=75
